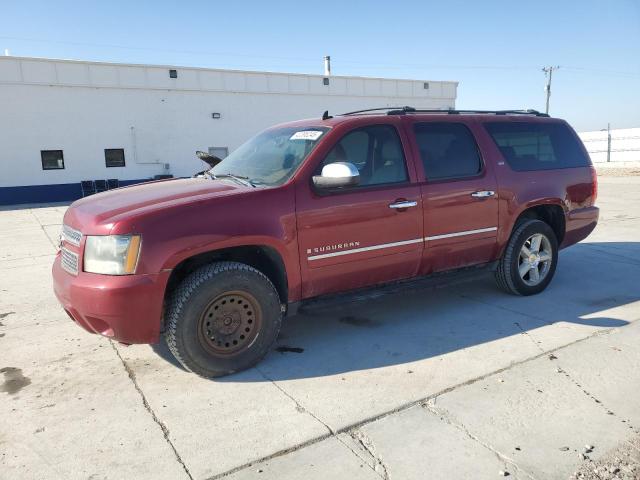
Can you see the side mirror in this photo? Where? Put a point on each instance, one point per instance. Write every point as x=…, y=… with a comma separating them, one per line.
x=337, y=175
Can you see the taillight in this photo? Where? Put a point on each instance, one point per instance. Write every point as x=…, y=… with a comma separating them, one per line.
x=594, y=185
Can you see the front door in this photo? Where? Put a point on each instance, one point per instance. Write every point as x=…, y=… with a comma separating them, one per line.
x=367, y=234
x=459, y=193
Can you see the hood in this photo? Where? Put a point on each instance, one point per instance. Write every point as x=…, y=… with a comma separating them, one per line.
x=109, y=207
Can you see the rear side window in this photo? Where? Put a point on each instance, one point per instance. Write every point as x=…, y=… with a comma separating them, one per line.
x=537, y=146
x=447, y=150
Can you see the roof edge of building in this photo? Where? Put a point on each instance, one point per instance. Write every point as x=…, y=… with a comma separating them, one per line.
x=210, y=69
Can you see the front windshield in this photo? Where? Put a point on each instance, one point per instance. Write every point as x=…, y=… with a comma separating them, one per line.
x=271, y=157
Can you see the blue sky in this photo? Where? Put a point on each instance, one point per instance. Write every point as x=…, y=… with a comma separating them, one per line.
x=495, y=49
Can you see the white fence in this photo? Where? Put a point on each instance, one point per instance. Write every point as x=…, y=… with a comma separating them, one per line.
x=625, y=145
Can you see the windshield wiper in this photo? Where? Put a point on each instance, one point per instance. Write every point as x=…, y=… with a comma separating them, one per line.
x=238, y=178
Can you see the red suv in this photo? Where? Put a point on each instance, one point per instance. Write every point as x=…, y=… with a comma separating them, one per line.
x=317, y=207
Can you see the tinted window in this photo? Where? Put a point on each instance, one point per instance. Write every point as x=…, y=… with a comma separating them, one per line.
x=114, y=157
x=377, y=153
x=447, y=150
x=537, y=146
x=52, y=159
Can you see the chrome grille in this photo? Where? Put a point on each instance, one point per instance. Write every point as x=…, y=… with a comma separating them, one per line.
x=69, y=261
x=71, y=235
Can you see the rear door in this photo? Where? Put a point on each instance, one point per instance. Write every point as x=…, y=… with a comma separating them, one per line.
x=367, y=234
x=459, y=194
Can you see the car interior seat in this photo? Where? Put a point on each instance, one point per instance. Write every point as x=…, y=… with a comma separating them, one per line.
x=389, y=166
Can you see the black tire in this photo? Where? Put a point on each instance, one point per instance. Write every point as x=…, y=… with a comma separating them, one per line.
x=253, y=303
x=507, y=276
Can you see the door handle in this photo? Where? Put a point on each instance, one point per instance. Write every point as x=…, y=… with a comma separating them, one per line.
x=483, y=194
x=403, y=204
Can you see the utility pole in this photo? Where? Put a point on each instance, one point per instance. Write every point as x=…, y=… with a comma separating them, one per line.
x=548, y=71
x=608, y=142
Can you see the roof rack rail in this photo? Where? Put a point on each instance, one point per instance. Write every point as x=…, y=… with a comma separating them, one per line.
x=406, y=109
x=376, y=110
x=462, y=112
x=487, y=112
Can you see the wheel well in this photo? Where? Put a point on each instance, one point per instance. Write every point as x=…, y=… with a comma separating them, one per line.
x=265, y=259
x=553, y=215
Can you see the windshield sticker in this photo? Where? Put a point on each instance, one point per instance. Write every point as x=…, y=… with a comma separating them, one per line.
x=306, y=135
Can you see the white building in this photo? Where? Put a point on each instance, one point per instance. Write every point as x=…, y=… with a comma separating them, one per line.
x=62, y=121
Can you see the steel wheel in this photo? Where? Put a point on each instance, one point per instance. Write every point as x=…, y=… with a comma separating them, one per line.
x=230, y=323
x=535, y=259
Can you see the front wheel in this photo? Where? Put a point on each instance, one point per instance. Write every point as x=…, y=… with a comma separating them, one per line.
x=222, y=318
x=530, y=259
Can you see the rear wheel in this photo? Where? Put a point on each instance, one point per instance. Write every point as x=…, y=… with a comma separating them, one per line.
x=222, y=318
x=530, y=259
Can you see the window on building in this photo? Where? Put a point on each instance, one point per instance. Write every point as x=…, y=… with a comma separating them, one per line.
x=52, y=159
x=376, y=152
x=537, y=146
x=447, y=150
x=220, y=152
x=114, y=157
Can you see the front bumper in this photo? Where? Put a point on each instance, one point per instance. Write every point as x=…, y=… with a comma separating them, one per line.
x=126, y=308
x=579, y=224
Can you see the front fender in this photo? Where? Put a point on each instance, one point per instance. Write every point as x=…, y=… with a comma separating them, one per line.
x=262, y=218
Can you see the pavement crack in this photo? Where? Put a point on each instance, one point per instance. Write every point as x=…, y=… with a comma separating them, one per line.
x=561, y=370
x=506, y=309
x=145, y=403
x=299, y=407
x=44, y=230
x=443, y=415
x=398, y=409
x=368, y=446
x=526, y=333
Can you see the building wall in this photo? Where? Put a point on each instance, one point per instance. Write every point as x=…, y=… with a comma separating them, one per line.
x=625, y=145
x=83, y=108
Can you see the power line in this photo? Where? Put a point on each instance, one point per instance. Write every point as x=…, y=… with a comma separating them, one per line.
x=342, y=62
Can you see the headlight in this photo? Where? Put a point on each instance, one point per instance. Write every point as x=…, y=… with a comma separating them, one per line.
x=111, y=254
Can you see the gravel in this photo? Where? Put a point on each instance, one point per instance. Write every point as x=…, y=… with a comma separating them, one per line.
x=622, y=463
x=617, y=171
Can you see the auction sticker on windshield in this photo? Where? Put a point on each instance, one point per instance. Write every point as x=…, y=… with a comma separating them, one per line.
x=306, y=135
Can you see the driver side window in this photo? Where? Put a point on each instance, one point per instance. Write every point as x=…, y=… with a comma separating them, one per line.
x=376, y=152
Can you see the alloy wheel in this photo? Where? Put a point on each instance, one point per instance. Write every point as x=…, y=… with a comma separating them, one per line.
x=534, y=261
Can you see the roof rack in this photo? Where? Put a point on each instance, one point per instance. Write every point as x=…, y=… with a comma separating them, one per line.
x=368, y=110
x=407, y=109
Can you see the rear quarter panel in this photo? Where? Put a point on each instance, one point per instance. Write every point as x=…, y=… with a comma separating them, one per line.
x=568, y=188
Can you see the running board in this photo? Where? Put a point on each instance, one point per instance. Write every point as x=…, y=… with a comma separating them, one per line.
x=432, y=281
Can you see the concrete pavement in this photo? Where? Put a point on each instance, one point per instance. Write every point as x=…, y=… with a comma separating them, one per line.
x=456, y=381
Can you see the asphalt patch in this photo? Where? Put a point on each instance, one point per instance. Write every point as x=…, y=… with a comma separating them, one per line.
x=14, y=381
